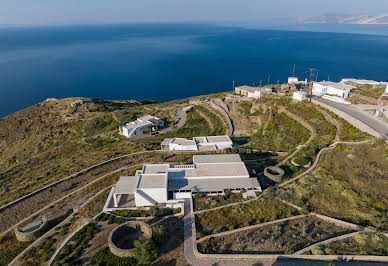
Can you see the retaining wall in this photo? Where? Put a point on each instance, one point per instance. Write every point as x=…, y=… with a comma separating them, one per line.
x=145, y=228
x=28, y=236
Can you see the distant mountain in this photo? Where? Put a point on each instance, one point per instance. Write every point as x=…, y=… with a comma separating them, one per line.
x=345, y=19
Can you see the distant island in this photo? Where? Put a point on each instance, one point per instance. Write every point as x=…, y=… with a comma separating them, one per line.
x=345, y=19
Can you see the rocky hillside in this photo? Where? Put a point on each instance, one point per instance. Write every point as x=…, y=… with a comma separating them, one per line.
x=346, y=19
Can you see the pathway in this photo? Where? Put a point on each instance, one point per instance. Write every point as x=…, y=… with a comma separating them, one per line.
x=332, y=121
x=303, y=123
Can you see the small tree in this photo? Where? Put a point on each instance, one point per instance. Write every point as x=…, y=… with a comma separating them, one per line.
x=145, y=251
x=159, y=234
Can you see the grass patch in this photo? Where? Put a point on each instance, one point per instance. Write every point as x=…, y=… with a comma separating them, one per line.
x=282, y=134
x=203, y=202
x=10, y=247
x=104, y=257
x=153, y=211
x=243, y=215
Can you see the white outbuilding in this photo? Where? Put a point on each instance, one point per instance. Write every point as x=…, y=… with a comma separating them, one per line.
x=293, y=80
x=140, y=125
x=331, y=88
x=299, y=96
x=208, y=143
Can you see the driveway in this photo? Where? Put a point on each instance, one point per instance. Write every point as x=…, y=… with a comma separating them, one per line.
x=371, y=122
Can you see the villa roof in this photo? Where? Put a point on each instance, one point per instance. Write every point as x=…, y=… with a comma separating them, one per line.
x=152, y=181
x=205, y=185
x=126, y=185
x=219, y=158
x=182, y=141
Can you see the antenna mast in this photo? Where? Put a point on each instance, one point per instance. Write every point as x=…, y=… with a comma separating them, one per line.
x=293, y=71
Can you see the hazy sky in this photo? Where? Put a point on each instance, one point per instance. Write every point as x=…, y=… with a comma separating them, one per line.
x=102, y=11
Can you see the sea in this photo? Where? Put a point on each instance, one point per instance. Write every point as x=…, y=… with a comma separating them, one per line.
x=167, y=61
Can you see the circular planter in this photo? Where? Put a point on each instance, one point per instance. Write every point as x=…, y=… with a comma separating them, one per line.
x=274, y=173
x=31, y=230
x=300, y=165
x=121, y=239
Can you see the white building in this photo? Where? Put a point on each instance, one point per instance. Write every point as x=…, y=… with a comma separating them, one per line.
x=331, y=88
x=76, y=103
x=252, y=92
x=259, y=92
x=164, y=184
x=386, y=89
x=293, y=80
x=299, y=96
x=209, y=143
x=140, y=125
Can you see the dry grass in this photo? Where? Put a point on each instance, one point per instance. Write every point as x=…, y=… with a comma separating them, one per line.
x=242, y=215
x=350, y=183
x=287, y=237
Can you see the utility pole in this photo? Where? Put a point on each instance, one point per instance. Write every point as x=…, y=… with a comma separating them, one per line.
x=233, y=89
x=269, y=76
x=312, y=75
x=261, y=83
x=317, y=77
x=293, y=71
x=328, y=77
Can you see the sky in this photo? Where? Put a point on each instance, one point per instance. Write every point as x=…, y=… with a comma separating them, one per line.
x=54, y=12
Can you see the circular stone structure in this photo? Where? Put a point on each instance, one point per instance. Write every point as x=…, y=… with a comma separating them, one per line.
x=299, y=165
x=274, y=173
x=31, y=230
x=121, y=239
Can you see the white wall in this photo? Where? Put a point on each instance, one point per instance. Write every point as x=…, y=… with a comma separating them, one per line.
x=157, y=194
x=177, y=147
x=299, y=96
x=182, y=195
x=293, y=80
x=223, y=145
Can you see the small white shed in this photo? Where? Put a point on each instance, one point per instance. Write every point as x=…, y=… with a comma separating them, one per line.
x=293, y=80
x=299, y=96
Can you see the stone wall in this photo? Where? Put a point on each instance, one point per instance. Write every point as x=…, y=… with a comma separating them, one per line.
x=29, y=235
x=115, y=234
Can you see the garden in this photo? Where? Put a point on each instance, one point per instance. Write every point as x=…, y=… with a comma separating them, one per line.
x=233, y=217
x=280, y=238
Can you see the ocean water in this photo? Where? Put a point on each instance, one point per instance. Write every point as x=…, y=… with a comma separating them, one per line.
x=171, y=61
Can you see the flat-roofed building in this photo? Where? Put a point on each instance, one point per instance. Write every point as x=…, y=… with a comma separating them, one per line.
x=293, y=80
x=331, y=88
x=140, y=125
x=208, y=143
x=252, y=92
x=299, y=96
x=164, y=184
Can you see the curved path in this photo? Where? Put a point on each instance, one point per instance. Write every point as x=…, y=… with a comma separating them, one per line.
x=317, y=160
x=303, y=123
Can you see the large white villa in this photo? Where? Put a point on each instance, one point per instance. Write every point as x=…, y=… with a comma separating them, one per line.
x=140, y=125
x=166, y=185
x=209, y=143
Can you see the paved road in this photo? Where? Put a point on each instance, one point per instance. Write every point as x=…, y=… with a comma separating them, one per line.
x=373, y=123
